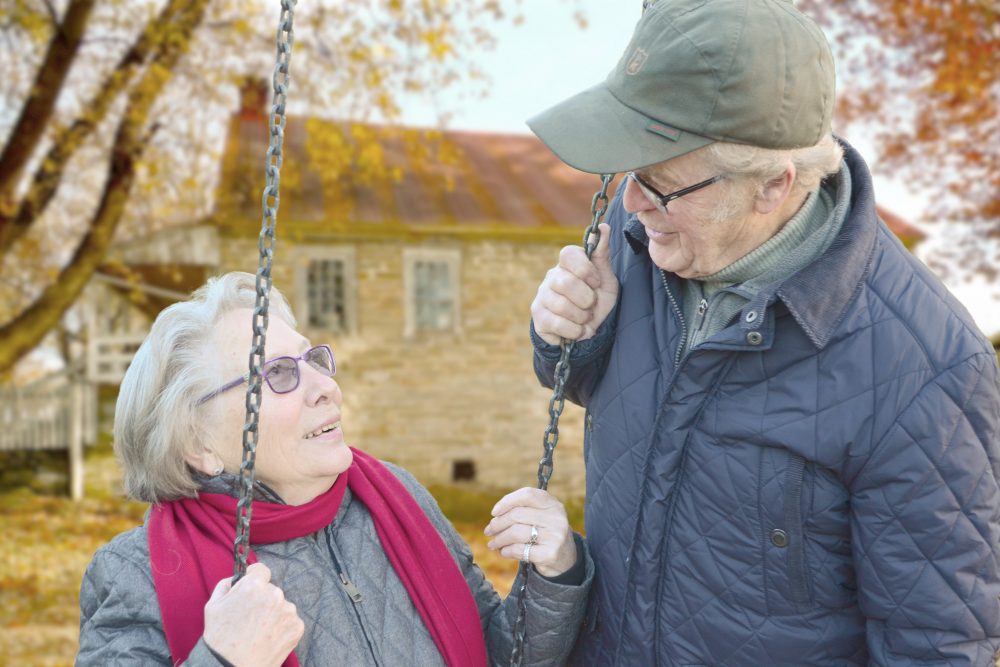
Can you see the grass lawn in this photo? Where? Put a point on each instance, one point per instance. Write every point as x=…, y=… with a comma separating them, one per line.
x=48, y=541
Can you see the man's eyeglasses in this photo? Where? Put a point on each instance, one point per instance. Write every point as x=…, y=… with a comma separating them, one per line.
x=661, y=200
x=282, y=373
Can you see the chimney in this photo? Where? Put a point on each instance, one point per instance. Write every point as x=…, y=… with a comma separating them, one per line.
x=255, y=98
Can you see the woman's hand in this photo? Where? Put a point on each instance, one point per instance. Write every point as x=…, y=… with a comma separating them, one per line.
x=554, y=549
x=252, y=623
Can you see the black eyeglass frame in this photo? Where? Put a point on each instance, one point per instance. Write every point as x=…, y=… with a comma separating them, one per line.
x=661, y=200
x=298, y=374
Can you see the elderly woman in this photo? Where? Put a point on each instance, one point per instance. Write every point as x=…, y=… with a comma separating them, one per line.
x=352, y=562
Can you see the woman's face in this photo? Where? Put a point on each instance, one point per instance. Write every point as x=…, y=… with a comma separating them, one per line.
x=298, y=454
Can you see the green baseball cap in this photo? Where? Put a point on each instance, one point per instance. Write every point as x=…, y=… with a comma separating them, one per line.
x=755, y=72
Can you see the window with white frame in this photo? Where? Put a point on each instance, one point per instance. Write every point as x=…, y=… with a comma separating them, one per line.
x=325, y=285
x=431, y=277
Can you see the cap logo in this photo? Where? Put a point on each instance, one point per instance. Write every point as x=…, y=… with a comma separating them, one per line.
x=636, y=62
x=665, y=131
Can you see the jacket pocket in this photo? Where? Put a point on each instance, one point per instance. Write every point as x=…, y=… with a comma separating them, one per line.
x=798, y=575
x=788, y=579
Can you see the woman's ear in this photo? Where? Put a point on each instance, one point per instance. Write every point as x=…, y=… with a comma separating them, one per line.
x=204, y=460
x=774, y=193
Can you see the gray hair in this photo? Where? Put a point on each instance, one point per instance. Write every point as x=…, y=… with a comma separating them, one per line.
x=748, y=169
x=157, y=417
x=761, y=165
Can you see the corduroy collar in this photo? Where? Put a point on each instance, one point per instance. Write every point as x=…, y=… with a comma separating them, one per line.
x=819, y=294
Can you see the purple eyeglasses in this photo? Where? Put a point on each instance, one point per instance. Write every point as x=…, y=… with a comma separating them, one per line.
x=282, y=373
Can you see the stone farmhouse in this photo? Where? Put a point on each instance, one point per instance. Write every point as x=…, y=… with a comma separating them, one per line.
x=422, y=285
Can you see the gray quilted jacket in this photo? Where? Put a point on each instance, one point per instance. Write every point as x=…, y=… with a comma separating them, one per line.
x=120, y=617
x=815, y=485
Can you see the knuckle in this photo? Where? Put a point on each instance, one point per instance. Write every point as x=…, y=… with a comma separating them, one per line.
x=568, y=252
x=561, y=282
x=547, y=322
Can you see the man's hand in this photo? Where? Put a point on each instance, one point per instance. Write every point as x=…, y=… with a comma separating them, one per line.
x=577, y=295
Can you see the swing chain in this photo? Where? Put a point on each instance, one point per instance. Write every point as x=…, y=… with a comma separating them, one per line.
x=265, y=244
x=591, y=237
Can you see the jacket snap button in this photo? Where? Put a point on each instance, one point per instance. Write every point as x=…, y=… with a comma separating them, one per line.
x=755, y=338
x=751, y=316
x=779, y=538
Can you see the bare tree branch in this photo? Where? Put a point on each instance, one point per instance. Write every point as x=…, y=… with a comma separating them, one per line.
x=23, y=332
x=37, y=110
x=67, y=141
x=53, y=15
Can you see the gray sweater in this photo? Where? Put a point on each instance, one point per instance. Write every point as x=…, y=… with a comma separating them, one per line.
x=120, y=620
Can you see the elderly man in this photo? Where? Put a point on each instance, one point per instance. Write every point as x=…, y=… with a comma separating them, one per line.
x=792, y=436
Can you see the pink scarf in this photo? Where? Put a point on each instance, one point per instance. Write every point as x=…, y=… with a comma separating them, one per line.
x=191, y=549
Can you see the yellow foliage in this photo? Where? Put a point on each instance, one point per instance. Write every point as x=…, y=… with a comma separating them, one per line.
x=353, y=59
x=28, y=18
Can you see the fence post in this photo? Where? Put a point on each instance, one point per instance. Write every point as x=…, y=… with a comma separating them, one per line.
x=75, y=450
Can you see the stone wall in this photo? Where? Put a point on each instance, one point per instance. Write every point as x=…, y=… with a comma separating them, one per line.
x=433, y=399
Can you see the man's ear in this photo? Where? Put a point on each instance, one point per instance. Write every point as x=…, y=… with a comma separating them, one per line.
x=774, y=193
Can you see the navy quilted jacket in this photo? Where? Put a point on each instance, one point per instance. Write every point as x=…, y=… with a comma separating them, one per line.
x=817, y=486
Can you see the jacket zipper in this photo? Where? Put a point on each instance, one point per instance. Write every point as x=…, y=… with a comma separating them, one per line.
x=670, y=384
x=680, y=316
x=353, y=593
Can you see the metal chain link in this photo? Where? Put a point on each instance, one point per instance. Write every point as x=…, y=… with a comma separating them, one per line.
x=265, y=243
x=591, y=237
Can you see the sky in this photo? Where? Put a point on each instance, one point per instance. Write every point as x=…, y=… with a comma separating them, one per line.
x=548, y=57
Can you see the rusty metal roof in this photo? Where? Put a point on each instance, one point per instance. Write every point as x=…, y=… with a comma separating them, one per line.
x=433, y=182
x=432, y=179
x=906, y=232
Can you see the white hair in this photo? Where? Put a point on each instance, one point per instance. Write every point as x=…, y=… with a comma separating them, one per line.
x=748, y=170
x=761, y=165
x=157, y=416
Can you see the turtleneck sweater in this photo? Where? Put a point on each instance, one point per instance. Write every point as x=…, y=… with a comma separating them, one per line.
x=710, y=303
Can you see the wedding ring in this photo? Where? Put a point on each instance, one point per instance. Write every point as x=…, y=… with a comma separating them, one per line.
x=527, y=552
x=534, y=535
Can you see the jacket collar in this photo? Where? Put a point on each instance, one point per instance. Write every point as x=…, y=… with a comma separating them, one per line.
x=819, y=294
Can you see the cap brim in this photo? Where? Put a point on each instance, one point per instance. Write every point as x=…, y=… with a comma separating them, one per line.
x=594, y=132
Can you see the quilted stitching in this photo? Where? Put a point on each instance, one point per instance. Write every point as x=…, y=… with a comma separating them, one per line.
x=897, y=416
x=120, y=619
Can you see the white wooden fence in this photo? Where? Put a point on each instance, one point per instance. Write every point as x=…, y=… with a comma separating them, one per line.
x=108, y=356
x=56, y=412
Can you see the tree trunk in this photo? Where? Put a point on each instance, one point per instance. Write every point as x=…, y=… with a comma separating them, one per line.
x=38, y=108
x=67, y=141
x=24, y=332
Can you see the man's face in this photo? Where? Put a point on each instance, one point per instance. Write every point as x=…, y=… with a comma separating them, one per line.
x=694, y=238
